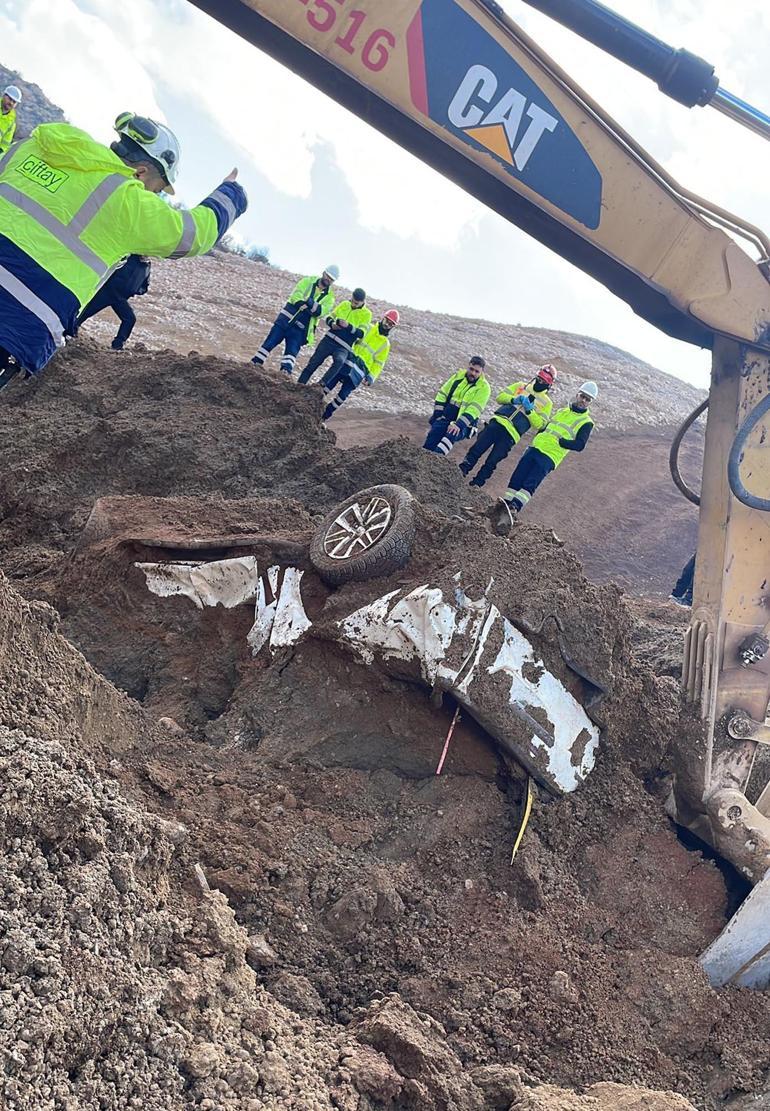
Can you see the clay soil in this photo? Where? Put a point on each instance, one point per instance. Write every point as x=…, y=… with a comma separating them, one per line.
x=238, y=883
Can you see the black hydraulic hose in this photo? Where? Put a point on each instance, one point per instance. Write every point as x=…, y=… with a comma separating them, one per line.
x=673, y=455
x=736, y=457
x=680, y=74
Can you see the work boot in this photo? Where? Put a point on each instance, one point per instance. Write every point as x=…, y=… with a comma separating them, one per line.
x=503, y=515
x=463, y=468
x=258, y=360
x=477, y=482
x=116, y=346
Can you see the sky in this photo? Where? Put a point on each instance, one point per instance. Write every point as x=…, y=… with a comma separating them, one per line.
x=325, y=187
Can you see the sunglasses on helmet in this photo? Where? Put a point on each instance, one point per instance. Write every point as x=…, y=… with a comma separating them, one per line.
x=143, y=130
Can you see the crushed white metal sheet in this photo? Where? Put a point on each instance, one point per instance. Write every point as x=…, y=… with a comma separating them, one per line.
x=421, y=626
x=291, y=621
x=233, y=582
x=567, y=717
x=462, y=647
x=264, y=616
x=224, y=582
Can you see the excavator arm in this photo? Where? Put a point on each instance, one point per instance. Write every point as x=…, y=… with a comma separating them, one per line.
x=463, y=88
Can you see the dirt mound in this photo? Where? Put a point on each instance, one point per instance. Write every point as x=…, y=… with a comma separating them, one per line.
x=158, y=424
x=374, y=899
x=318, y=813
x=126, y=982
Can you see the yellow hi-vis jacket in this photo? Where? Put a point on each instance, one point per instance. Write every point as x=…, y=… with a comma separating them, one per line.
x=563, y=425
x=537, y=418
x=373, y=351
x=461, y=400
x=7, y=129
x=357, y=320
x=309, y=289
x=70, y=211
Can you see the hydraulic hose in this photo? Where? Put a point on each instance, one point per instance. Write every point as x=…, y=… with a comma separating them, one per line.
x=673, y=456
x=736, y=456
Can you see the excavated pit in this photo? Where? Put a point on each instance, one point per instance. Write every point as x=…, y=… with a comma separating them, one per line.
x=371, y=946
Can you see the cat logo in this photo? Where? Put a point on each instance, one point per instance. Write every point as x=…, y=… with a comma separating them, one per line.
x=471, y=86
x=497, y=121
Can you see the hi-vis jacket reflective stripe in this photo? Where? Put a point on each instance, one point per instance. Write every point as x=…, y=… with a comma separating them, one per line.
x=70, y=211
x=358, y=319
x=468, y=398
x=563, y=425
x=373, y=350
x=308, y=289
x=537, y=418
x=7, y=129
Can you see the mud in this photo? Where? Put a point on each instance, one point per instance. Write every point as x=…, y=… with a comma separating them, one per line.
x=366, y=942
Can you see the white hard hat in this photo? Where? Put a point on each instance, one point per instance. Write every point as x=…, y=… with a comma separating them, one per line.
x=333, y=272
x=159, y=141
x=590, y=389
x=13, y=92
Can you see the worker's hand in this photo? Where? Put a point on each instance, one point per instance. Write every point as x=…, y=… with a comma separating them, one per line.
x=453, y=429
x=232, y=175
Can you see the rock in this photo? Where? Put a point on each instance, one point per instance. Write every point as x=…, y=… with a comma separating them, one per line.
x=201, y=1060
x=562, y=988
x=416, y=1046
x=507, y=999
x=259, y=953
x=47, y=615
x=171, y=726
x=297, y=993
x=352, y=912
x=175, y=831
x=160, y=776
x=600, y=1097
x=371, y=1072
x=500, y=1084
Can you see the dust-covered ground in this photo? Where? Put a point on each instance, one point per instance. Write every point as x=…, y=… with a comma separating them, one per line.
x=238, y=882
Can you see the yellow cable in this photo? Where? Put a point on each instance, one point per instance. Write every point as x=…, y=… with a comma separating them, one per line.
x=524, y=819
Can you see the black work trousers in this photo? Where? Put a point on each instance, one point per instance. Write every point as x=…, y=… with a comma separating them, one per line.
x=328, y=348
x=120, y=306
x=493, y=438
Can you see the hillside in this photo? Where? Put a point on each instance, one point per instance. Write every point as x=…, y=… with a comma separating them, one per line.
x=35, y=106
x=616, y=504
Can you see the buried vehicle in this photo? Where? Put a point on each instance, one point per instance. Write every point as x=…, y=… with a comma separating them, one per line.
x=508, y=629
x=435, y=632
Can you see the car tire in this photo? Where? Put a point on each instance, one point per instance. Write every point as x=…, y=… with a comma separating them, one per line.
x=367, y=536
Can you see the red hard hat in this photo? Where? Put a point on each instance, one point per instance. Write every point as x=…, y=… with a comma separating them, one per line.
x=547, y=374
x=393, y=316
